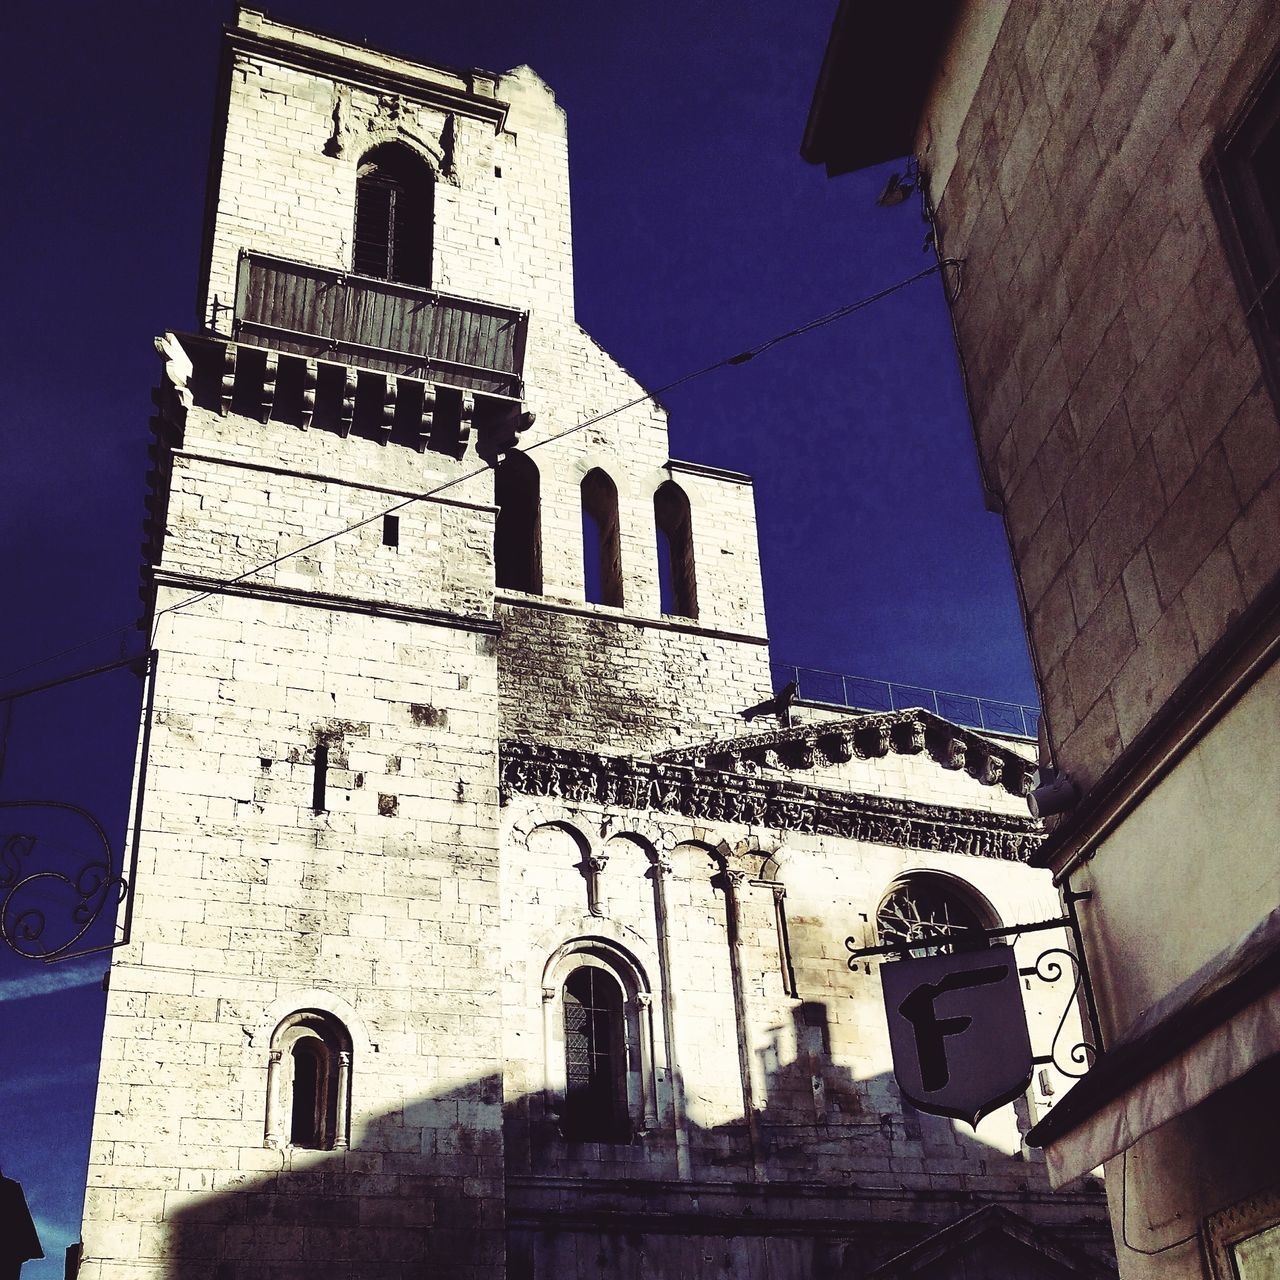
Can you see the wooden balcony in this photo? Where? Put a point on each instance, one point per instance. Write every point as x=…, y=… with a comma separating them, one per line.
x=380, y=325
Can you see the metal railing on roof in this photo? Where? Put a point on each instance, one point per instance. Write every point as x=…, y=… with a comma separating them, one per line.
x=859, y=693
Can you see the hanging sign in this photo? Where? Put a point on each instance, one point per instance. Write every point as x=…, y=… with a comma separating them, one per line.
x=958, y=1031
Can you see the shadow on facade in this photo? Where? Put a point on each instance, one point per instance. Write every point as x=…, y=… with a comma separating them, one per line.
x=834, y=1176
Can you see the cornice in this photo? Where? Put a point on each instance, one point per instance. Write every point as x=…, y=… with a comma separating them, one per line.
x=162, y=577
x=360, y=74
x=872, y=735
x=695, y=791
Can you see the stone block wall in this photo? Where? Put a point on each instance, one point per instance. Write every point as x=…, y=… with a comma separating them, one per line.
x=1121, y=415
x=249, y=905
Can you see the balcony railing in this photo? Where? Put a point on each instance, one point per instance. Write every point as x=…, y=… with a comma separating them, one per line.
x=380, y=324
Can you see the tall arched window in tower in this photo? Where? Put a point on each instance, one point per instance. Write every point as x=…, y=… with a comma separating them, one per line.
x=395, y=196
x=517, y=535
x=601, y=542
x=676, y=579
x=309, y=1082
x=595, y=1058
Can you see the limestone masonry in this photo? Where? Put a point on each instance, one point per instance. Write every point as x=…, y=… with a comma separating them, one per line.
x=475, y=932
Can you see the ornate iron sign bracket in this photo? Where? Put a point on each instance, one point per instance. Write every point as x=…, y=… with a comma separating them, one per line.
x=1050, y=967
x=47, y=908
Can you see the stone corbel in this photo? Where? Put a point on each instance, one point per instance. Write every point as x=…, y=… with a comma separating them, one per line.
x=427, y=416
x=989, y=769
x=228, y=388
x=953, y=754
x=270, y=377
x=593, y=866
x=909, y=738
x=177, y=367
x=466, y=416
x=310, y=376
x=387, y=420
x=348, y=412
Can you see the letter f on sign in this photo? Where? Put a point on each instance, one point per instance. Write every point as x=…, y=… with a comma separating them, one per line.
x=931, y=1031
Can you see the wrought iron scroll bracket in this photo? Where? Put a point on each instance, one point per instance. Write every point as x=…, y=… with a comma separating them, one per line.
x=1050, y=967
x=45, y=910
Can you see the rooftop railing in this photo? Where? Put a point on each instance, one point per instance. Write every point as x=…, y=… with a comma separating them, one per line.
x=858, y=693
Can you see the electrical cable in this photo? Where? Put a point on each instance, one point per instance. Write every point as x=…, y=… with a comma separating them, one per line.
x=742, y=357
x=1124, y=1215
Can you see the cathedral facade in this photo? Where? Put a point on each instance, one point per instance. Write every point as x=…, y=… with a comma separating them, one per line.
x=476, y=932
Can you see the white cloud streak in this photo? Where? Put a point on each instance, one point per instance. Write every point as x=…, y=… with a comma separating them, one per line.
x=45, y=982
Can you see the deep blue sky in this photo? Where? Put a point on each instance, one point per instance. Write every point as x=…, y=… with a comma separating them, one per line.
x=698, y=231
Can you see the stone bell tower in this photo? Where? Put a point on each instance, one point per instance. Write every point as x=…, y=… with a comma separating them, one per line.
x=363, y=569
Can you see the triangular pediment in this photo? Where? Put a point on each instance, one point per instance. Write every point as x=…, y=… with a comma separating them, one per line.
x=992, y=1244
x=817, y=750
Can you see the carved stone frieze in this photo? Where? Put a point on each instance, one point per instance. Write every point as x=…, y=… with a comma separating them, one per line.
x=585, y=777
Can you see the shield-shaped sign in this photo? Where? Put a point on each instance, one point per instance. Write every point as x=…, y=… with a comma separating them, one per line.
x=958, y=1031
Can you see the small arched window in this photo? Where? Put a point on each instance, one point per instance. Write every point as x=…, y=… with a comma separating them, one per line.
x=601, y=540
x=309, y=1082
x=395, y=196
x=927, y=905
x=595, y=1058
x=517, y=536
x=677, y=584
x=598, y=1022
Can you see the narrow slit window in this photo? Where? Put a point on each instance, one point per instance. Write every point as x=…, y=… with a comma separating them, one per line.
x=601, y=540
x=320, y=778
x=390, y=531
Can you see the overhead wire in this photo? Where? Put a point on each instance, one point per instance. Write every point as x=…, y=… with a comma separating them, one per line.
x=742, y=357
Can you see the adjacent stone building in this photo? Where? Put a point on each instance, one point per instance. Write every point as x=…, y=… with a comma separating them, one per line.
x=475, y=931
x=1106, y=174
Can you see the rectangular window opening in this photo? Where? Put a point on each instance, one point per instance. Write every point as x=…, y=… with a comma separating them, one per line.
x=321, y=778
x=390, y=531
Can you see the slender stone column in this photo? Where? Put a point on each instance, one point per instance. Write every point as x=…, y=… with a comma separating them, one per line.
x=659, y=871
x=275, y=1137
x=342, y=1119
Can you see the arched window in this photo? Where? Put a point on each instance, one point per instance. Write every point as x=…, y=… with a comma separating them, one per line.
x=595, y=1058
x=679, y=591
x=395, y=193
x=928, y=904
x=601, y=541
x=598, y=1023
x=309, y=1082
x=517, y=536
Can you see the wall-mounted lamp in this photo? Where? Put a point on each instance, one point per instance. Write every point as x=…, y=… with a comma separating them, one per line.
x=896, y=190
x=1056, y=795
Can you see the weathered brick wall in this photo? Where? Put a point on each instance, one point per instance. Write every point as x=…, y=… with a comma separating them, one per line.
x=1117, y=395
x=587, y=679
